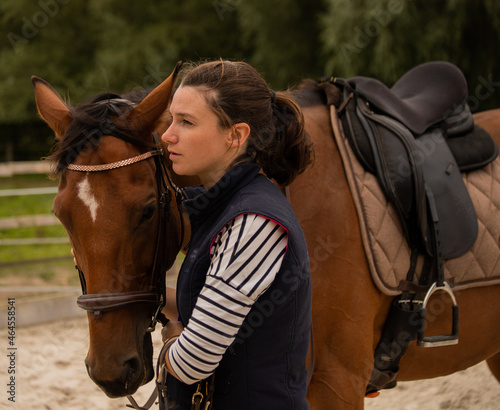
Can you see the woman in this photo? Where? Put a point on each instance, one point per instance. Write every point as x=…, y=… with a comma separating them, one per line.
x=243, y=294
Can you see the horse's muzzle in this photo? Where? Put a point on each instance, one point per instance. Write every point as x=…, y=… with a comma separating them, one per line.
x=122, y=380
x=125, y=376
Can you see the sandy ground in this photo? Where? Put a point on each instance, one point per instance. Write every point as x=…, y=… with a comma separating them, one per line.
x=50, y=374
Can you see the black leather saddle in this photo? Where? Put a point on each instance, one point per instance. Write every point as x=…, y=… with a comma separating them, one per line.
x=417, y=137
x=423, y=97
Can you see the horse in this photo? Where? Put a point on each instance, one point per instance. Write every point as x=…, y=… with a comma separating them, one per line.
x=112, y=218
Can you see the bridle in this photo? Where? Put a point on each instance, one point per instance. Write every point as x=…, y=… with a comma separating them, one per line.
x=156, y=295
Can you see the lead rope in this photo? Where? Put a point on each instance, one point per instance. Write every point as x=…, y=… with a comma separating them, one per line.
x=160, y=382
x=133, y=404
x=161, y=375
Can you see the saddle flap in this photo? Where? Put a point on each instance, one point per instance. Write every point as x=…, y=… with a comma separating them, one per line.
x=406, y=168
x=386, y=149
x=454, y=211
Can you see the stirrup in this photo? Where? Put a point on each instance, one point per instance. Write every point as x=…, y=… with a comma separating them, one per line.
x=439, y=340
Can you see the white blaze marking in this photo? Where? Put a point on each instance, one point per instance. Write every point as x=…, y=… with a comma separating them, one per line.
x=85, y=194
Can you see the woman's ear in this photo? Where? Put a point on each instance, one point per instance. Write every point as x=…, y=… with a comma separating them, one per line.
x=239, y=135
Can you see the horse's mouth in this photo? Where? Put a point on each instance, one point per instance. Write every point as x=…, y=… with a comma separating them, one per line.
x=148, y=359
x=136, y=375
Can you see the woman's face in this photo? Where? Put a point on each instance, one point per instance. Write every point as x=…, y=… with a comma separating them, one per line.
x=198, y=146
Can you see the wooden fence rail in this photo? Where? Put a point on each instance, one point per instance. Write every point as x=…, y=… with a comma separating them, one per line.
x=13, y=222
x=8, y=169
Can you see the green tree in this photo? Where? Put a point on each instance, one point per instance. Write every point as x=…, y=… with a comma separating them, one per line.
x=284, y=38
x=83, y=47
x=385, y=38
x=43, y=38
x=86, y=46
x=141, y=42
x=54, y=39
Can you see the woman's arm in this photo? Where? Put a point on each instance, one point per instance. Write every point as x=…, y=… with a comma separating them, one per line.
x=245, y=260
x=170, y=309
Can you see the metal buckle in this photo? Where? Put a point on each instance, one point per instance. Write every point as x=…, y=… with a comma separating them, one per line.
x=439, y=340
x=151, y=328
x=198, y=393
x=161, y=374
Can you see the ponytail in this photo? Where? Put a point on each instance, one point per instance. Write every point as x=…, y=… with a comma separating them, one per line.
x=288, y=151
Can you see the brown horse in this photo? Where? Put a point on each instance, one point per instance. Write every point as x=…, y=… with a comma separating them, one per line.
x=112, y=218
x=112, y=221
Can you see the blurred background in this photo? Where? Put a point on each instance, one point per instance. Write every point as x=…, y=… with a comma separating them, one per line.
x=83, y=47
x=87, y=46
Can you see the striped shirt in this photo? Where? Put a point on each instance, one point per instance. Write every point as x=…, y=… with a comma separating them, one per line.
x=245, y=258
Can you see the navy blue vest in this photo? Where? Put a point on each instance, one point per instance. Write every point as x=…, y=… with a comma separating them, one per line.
x=265, y=367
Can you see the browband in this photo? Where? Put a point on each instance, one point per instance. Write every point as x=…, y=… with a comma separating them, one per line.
x=117, y=164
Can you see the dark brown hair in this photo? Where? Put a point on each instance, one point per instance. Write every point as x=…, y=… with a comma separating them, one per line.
x=238, y=94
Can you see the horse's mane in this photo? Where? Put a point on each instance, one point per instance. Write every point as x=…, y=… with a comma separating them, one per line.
x=310, y=93
x=91, y=120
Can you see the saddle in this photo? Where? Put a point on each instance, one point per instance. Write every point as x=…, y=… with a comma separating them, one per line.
x=424, y=96
x=416, y=138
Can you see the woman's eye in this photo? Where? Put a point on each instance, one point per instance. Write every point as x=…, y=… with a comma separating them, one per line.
x=186, y=122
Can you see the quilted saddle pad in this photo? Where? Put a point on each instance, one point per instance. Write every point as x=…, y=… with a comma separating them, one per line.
x=386, y=249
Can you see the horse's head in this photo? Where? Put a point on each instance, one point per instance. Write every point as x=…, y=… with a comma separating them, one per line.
x=110, y=201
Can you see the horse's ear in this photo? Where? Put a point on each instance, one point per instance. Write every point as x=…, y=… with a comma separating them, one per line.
x=51, y=107
x=149, y=112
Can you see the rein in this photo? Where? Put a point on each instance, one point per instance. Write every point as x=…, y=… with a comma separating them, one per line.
x=103, y=302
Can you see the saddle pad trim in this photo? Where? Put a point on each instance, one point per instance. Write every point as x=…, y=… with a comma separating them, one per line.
x=342, y=144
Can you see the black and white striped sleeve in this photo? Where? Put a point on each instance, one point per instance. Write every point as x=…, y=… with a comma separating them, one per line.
x=245, y=258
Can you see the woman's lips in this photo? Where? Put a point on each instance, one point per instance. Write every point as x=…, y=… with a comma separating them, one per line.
x=173, y=155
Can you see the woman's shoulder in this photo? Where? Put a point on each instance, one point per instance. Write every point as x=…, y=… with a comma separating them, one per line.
x=263, y=197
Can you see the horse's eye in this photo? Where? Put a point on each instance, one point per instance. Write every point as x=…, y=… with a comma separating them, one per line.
x=148, y=213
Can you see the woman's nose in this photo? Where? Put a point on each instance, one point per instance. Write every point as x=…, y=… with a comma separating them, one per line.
x=168, y=136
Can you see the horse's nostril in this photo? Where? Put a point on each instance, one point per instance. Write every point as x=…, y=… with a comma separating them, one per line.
x=119, y=380
x=132, y=366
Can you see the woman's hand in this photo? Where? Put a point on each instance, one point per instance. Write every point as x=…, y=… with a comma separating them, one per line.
x=171, y=329
x=74, y=257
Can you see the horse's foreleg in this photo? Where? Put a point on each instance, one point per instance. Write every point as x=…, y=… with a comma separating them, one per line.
x=494, y=365
x=344, y=343
x=340, y=378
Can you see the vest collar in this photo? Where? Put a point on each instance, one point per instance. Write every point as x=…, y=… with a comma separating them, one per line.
x=201, y=201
